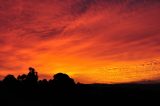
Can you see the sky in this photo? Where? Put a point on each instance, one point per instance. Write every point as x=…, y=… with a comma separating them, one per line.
x=93, y=41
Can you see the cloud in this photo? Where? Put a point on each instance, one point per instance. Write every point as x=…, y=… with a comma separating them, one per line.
x=79, y=37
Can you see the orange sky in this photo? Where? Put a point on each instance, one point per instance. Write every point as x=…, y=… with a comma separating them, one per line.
x=94, y=41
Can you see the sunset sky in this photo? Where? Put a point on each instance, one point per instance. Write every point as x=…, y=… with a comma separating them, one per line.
x=93, y=41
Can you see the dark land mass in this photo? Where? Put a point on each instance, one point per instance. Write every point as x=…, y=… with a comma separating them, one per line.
x=27, y=90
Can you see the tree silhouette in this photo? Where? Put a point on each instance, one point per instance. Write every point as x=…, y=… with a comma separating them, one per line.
x=63, y=81
x=10, y=80
x=22, y=77
x=32, y=77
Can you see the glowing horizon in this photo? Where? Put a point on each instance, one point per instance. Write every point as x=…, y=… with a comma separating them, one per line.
x=93, y=41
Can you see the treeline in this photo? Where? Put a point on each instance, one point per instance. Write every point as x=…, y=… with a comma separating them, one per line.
x=28, y=90
x=30, y=80
x=61, y=90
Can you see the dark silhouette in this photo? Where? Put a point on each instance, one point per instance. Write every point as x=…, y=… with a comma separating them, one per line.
x=63, y=81
x=10, y=80
x=22, y=77
x=27, y=90
x=32, y=77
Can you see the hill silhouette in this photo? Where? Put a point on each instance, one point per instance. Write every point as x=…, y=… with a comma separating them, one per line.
x=61, y=90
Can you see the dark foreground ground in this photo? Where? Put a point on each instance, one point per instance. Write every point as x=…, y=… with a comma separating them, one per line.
x=82, y=95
